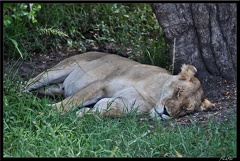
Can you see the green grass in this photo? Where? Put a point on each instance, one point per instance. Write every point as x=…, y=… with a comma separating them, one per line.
x=31, y=129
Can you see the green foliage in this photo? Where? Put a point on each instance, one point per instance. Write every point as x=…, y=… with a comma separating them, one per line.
x=16, y=46
x=52, y=31
x=15, y=13
x=131, y=26
x=16, y=18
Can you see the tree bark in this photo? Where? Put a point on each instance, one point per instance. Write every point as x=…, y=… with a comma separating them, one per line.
x=205, y=35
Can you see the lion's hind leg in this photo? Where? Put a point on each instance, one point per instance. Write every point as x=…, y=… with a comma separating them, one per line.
x=51, y=76
x=52, y=90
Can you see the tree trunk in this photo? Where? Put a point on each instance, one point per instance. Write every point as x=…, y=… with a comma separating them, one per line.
x=205, y=36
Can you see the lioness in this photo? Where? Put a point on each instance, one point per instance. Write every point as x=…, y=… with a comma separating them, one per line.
x=118, y=85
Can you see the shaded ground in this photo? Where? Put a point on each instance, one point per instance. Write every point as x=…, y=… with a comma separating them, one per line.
x=222, y=93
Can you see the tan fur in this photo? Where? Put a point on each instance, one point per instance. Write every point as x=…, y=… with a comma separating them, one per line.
x=118, y=85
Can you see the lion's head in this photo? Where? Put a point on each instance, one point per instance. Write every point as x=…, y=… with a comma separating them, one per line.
x=181, y=96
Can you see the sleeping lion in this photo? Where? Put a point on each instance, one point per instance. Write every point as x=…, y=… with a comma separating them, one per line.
x=117, y=86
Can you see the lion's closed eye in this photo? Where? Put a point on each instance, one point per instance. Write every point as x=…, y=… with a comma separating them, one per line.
x=177, y=92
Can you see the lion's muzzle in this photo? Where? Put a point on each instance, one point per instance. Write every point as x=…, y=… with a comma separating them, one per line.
x=161, y=115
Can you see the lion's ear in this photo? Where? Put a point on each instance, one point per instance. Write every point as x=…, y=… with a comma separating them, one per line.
x=188, y=71
x=206, y=105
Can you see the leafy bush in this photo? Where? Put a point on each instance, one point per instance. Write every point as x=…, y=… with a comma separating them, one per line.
x=16, y=18
x=131, y=26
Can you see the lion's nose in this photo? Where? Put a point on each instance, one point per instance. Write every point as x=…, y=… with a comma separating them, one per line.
x=165, y=111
